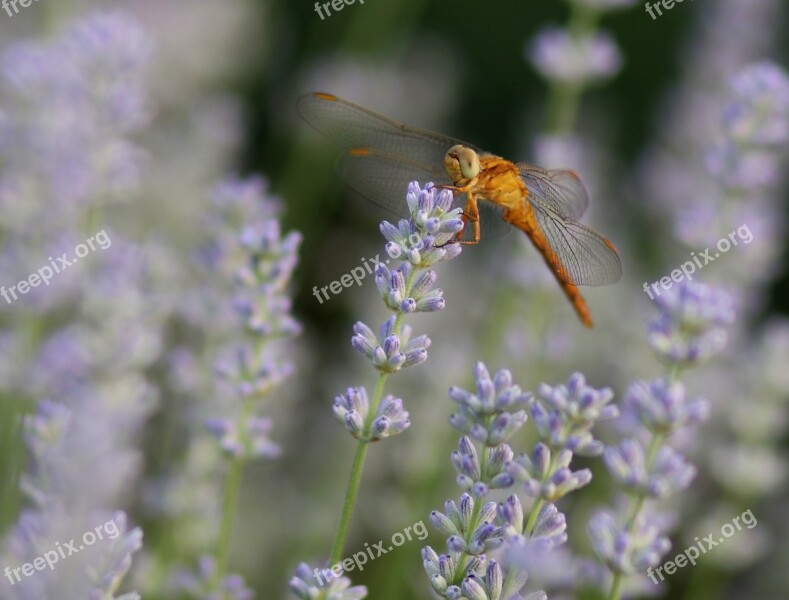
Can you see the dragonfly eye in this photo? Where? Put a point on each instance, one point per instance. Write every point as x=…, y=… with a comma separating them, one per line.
x=469, y=163
x=461, y=163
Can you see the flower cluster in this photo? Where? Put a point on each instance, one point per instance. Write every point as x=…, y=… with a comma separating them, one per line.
x=662, y=406
x=305, y=585
x=490, y=416
x=387, y=351
x=353, y=409
x=563, y=416
x=691, y=325
x=204, y=584
x=578, y=60
x=627, y=550
x=668, y=474
x=755, y=130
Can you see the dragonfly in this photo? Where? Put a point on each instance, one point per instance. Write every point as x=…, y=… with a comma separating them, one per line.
x=382, y=156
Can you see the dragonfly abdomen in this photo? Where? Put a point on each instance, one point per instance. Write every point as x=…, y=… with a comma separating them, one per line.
x=525, y=220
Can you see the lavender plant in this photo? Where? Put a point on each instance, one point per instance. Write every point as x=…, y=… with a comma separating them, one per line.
x=573, y=59
x=418, y=243
x=689, y=330
x=56, y=515
x=728, y=158
x=249, y=248
x=563, y=416
x=83, y=356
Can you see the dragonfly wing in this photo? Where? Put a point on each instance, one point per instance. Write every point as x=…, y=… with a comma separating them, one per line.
x=383, y=178
x=560, y=189
x=357, y=128
x=584, y=256
x=383, y=156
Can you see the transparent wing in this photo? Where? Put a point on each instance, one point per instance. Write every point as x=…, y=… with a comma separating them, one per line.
x=355, y=127
x=560, y=189
x=584, y=256
x=383, y=178
x=383, y=156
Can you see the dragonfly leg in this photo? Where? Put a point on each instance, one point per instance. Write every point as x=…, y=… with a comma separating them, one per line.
x=470, y=213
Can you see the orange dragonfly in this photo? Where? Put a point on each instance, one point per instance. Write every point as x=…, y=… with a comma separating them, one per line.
x=383, y=156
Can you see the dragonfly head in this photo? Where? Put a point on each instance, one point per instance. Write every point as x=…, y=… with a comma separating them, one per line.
x=461, y=164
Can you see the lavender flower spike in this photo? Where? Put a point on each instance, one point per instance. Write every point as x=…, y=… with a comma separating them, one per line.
x=627, y=552
x=417, y=243
x=352, y=409
x=565, y=414
x=307, y=586
x=662, y=406
x=493, y=397
x=690, y=328
x=668, y=474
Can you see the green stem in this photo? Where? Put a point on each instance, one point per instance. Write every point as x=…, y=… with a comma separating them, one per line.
x=637, y=504
x=533, y=513
x=673, y=373
x=355, y=478
x=616, y=586
x=460, y=572
x=229, y=504
x=232, y=488
x=565, y=98
x=537, y=506
x=93, y=219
